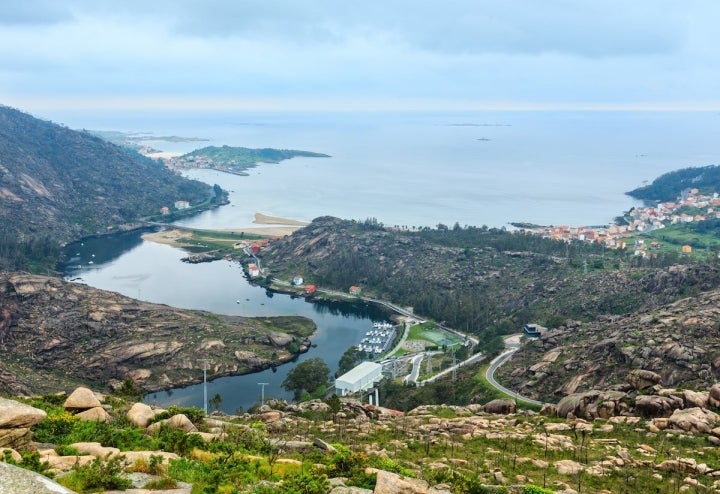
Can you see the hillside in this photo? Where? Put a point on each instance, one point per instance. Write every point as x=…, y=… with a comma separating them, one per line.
x=485, y=281
x=55, y=335
x=58, y=185
x=236, y=160
x=94, y=443
x=677, y=342
x=670, y=185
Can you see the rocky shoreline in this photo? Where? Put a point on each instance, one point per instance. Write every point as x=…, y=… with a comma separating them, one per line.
x=55, y=335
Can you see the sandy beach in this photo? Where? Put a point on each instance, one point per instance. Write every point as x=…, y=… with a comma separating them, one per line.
x=285, y=226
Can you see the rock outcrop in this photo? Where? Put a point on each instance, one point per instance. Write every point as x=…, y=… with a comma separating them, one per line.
x=15, y=421
x=676, y=344
x=104, y=338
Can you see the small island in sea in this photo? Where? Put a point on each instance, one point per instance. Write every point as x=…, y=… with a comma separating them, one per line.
x=236, y=160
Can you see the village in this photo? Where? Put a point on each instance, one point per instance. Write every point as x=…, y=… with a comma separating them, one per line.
x=641, y=220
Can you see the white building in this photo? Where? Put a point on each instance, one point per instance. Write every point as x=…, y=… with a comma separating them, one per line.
x=358, y=378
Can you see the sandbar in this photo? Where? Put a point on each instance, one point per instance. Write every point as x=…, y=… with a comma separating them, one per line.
x=284, y=226
x=264, y=219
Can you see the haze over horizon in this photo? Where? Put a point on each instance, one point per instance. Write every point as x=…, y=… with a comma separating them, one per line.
x=402, y=55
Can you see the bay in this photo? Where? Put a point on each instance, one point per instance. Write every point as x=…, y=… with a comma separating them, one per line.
x=403, y=168
x=153, y=272
x=425, y=168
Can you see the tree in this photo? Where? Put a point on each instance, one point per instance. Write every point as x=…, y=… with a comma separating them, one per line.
x=349, y=359
x=215, y=401
x=310, y=375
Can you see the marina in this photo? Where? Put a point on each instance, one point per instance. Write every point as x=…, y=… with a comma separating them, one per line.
x=378, y=340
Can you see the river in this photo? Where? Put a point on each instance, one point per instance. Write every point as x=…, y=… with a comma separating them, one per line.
x=152, y=272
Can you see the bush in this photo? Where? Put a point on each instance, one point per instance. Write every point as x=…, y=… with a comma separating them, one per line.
x=163, y=483
x=535, y=489
x=30, y=461
x=301, y=483
x=195, y=415
x=97, y=475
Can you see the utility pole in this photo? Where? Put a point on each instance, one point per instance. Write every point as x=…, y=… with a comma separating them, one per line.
x=205, y=363
x=262, y=393
x=454, y=367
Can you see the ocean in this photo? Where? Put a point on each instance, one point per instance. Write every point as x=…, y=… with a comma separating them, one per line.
x=425, y=168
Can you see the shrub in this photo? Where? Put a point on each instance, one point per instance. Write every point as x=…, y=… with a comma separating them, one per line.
x=535, y=489
x=195, y=415
x=301, y=483
x=97, y=475
x=163, y=483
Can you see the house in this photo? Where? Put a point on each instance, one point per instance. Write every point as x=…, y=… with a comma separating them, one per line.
x=297, y=280
x=686, y=249
x=182, y=204
x=534, y=330
x=256, y=246
x=164, y=210
x=359, y=378
x=253, y=270
x=355, y=290
x=310, y=289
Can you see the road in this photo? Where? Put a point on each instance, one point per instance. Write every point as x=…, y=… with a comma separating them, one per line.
x=512, y=343
x=475, y=358
x=415, y=372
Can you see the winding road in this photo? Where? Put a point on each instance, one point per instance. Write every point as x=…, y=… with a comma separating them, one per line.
x=512, y=344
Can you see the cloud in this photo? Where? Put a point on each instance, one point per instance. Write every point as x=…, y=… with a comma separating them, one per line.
x=518, y=52
x=34, y=12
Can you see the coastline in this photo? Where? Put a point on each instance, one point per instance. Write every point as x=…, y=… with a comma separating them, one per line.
x=275, y=226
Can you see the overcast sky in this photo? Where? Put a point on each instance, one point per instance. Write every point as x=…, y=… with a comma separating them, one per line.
x=345, y=54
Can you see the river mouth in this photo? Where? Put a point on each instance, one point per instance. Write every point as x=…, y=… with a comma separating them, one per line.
x=152, y=272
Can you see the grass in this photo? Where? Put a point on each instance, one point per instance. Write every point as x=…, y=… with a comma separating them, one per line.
x=437, y=447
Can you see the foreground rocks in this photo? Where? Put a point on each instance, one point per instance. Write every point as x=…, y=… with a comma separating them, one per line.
x=15, y=422
x=444, y=432
x=14, y=480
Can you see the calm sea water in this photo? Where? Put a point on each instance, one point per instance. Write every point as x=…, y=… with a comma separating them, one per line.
x=414, y=168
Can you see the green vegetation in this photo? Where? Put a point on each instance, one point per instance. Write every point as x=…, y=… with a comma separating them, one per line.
x=309, y=376
x=667, y=187
x=484, y=281
x=65, y=185
x=237, y=159
x=441, y=444
x=349, y=359
x=702, y=236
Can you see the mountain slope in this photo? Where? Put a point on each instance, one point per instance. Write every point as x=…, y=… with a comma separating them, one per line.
x=57, y=184
x=56, y=334
x=678, y=342
x=486, y=281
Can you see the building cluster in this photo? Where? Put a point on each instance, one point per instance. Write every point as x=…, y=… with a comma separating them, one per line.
x=641, y=219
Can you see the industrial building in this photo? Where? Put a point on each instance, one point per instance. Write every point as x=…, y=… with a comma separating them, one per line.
x=359, y=378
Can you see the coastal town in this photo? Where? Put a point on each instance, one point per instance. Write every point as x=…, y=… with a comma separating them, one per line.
x=691, y=206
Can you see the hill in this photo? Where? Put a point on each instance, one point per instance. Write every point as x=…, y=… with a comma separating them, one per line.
x=236, y=160
x=484, y=281
x=676, y=343
x=55, y=335
x=669, y=186
x=58, y=185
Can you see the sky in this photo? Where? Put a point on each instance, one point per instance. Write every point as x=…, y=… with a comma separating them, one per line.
x=350, y=55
